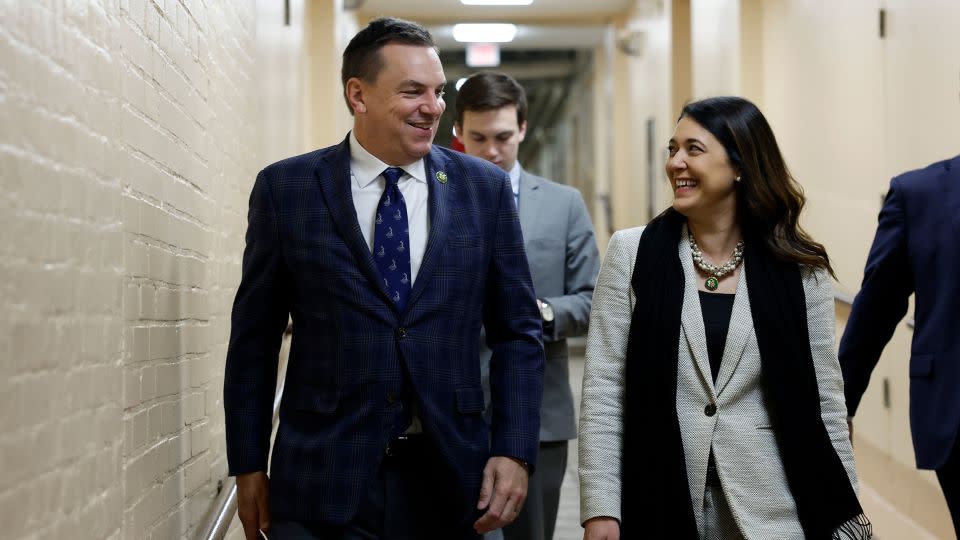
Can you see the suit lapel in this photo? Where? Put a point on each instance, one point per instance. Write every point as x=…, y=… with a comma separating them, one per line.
x=530, y=204
x=434, y=163
x=691, y=317
x=741, y=326
x=951, y=179
x=334, y=180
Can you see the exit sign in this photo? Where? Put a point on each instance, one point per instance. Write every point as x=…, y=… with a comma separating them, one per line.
x=483, y=55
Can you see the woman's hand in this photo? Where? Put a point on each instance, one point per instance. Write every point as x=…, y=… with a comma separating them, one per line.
x=601, y=528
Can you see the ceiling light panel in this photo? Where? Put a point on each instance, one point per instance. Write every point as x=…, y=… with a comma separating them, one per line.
x=484, y=32
x=496, y=2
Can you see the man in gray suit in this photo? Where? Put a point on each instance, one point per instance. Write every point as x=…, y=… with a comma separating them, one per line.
x=558, y=235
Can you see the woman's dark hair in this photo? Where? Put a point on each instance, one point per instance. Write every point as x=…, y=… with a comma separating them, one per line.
x=361, y=58
x=769, y=199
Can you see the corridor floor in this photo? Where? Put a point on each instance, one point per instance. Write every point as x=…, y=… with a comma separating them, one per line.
x=568, y=518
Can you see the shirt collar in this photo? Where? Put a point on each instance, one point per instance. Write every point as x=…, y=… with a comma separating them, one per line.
x=515, y=177
x=366, y=168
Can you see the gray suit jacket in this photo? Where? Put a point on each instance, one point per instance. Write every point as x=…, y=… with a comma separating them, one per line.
x=564, y=262
x=744, y=445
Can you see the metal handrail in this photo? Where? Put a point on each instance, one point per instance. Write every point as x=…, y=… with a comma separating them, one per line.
x=847, y=300
x=226, y=505
x=226, y=502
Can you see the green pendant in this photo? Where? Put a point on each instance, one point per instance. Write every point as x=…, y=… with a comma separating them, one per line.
x=712, y=283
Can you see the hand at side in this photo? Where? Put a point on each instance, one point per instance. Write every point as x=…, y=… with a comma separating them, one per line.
x=601, y=528
x=253, y=498
x=502, y=494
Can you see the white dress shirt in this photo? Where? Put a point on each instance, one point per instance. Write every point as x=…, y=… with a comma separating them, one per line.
x=515, y=182
x=367, y=185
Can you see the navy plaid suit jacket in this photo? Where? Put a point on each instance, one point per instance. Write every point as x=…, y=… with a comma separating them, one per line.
x=305, y=257
x=915, y=251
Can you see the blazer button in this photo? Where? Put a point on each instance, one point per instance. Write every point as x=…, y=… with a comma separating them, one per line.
x=710, y=410
x=391, y=398
x=401, y=332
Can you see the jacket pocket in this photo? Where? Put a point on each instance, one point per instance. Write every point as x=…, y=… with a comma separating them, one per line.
x=921, y=365
x=762, y=419
x=318, y=399
x=469, y=400
x=466, y=251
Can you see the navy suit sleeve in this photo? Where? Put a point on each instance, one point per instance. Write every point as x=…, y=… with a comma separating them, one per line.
x=572, y=310
x=882, y=300
x=512, y=322
x=259, y=317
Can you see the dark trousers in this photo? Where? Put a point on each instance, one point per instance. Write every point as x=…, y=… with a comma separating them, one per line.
x=409, y=500
x=949, y=477
x=538, y=517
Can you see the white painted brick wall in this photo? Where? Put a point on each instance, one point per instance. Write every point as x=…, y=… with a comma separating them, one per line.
x=128, y=145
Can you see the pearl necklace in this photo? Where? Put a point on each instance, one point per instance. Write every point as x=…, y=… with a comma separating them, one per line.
x=716, y=271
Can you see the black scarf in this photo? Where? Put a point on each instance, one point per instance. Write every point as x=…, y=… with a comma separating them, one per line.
x=656, y=497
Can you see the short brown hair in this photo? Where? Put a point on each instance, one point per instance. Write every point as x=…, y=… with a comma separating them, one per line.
x=361, y=58
x=488, y=91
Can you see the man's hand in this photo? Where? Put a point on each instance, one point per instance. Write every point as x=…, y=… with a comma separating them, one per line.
x=502, y=494
x=253, y=497
x=601, y=528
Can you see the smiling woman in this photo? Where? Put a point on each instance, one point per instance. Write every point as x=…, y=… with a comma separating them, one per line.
x=710, y=358
x=700, y=172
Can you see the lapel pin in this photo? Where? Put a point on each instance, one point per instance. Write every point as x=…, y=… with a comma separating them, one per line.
x=442, y=177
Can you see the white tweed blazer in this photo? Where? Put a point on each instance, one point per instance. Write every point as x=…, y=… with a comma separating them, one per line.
x=748, y=462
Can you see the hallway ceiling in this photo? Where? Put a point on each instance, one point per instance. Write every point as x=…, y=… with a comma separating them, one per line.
x=532, y=36
x=453, y=10
x=553, y=44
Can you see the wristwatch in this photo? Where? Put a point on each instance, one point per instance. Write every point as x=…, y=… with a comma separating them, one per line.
x=546, y=312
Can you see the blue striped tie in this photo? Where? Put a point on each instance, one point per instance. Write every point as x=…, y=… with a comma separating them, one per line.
x=391, y=240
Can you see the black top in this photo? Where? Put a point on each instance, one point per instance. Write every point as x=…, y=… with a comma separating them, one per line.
x=716, y=308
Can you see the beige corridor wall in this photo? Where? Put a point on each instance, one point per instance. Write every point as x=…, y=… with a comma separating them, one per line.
x=601, y=146
x=715, y=35
x=727, y=48
x=641, y=68
x=129, y=140
x=329, y=29
x=823, y=75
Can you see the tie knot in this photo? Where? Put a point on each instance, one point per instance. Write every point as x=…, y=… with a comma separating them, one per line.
x=392, y=175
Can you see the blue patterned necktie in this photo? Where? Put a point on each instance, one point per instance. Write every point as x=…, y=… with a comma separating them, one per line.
x=391, y=240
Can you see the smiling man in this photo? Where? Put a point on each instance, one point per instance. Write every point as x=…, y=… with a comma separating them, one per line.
x=388, y=260
x=564, y=261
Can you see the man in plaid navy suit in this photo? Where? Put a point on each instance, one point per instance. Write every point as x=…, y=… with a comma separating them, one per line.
x=381, y=431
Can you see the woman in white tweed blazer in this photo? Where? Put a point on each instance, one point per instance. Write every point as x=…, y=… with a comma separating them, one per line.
x=712, y=397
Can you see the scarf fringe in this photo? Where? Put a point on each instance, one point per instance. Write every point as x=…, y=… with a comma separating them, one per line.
x=858, y=528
